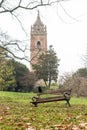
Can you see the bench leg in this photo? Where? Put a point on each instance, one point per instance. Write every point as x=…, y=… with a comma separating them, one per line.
x=68, y=103
x=34, y=103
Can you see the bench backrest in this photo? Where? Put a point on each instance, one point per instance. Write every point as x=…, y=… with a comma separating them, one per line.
x=59, y=91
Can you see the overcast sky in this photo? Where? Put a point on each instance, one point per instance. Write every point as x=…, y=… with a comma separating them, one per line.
x=66, y=30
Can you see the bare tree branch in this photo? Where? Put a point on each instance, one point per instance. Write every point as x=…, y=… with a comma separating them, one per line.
x=2, y=1
x=12, y=48
x=84, y=59
x=68, y=13
x=11, y=54
x=19, y=22
x=36, y=55
x=4, y=7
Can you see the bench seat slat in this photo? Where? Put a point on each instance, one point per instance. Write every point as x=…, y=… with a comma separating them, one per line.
x=50, y=100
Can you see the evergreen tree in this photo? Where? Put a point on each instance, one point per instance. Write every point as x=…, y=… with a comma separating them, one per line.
x=7, y=75
x=47, y=67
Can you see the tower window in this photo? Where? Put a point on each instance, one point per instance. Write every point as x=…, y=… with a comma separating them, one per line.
x=38, y=44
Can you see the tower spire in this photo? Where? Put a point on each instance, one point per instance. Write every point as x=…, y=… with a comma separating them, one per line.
x=38, y=27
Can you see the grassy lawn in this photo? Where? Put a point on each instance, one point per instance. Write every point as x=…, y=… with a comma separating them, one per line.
x=17, y=113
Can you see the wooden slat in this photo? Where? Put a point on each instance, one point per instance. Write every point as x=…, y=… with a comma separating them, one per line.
x=50, y=100
x=61, y=91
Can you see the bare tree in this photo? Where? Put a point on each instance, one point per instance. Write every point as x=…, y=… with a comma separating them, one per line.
x=11, y=48
x=77, y=82
x=13, y=7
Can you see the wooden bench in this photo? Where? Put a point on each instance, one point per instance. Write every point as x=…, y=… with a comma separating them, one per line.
x=60, y=95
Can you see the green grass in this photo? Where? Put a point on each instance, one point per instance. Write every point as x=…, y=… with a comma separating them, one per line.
x=17, y=113
x=14, y=96
x=79, y=101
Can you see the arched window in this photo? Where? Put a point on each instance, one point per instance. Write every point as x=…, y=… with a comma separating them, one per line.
x=38, y=44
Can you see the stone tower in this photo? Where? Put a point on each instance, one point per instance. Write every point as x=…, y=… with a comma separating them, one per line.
x=38, y=43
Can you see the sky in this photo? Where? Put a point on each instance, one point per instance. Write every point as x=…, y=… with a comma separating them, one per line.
x=66, y=30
